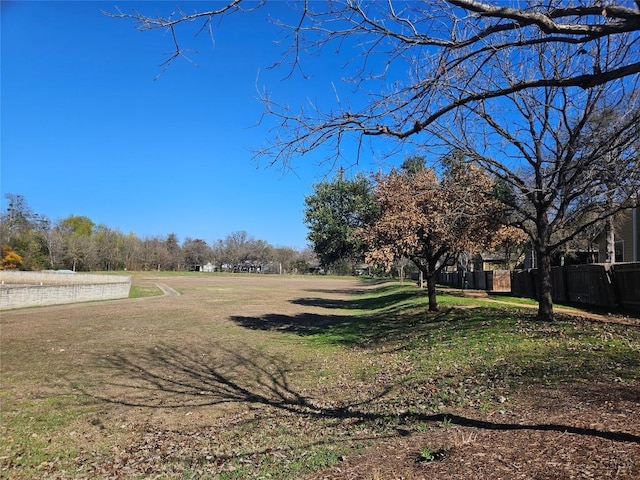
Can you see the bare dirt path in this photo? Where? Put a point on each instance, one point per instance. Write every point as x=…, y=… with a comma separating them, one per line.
x=167, y=290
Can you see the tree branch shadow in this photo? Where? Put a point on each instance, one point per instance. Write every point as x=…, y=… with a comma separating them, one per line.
x=392, y=326
x=166, y=377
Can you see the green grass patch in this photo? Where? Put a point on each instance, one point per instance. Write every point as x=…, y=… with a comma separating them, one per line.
x=285, y=464
x=516, y=300
x=529, y=302
x=470, y=355
x=32, y=434
x=141, y=291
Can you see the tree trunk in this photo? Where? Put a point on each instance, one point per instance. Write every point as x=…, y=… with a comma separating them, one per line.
x=611, y=241
x=430, y=278
x=428, y=275
x=545, y=300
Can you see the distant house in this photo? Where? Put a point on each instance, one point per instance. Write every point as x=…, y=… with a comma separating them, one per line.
x=209, y=267
x=627, y=238
x=362, y=269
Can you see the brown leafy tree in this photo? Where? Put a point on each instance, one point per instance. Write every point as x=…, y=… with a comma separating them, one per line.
x=431, y=220
x=510, y=242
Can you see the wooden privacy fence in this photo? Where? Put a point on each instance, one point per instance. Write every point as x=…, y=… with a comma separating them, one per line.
x=491, y=280
x=610, y=286
x=626, y=284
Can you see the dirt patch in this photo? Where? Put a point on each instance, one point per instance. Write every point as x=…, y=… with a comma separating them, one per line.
x=573, y=432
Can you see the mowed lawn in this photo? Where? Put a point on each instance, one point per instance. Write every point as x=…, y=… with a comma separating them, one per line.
x=313, y=377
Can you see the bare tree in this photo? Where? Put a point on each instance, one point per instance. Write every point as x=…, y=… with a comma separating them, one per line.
x=130, y=251
x=240, y=250
x=401, y=265
x=55, y=246
x=107, y=243
x=237, y=248
x=568, y=166
x=285, y=258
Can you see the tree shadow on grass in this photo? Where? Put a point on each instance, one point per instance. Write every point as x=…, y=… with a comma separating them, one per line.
x=382, y=288
x=389, y=313
x=395, y=325
x=377, y=302
x=385, y=315
x=168, y=377
x=303, y=324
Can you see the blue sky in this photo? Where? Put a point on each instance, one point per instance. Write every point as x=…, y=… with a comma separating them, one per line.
x=86, y=130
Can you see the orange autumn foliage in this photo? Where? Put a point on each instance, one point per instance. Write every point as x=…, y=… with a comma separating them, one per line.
x=431, y=220
x=426, y=218
x=10, y=259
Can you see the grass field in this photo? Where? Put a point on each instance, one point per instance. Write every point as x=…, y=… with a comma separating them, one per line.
x=310, y=377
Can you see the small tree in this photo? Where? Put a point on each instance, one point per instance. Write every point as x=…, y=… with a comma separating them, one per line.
x=196, y=252
x=431, y=220
x=335, y=213
x=79, y=248
x=401, y=265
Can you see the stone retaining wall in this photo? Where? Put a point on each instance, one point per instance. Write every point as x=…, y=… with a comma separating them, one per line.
x=29, y=289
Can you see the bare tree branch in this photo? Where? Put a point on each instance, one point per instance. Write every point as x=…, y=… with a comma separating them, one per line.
x=172, y=21
x=450, y=50
x=144, y=22
x=628, y=20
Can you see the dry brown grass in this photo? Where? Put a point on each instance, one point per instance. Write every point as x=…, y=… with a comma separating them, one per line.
x=81, y=382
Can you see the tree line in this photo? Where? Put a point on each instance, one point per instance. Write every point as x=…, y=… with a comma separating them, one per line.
x=30, y=241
